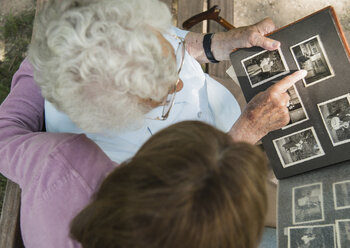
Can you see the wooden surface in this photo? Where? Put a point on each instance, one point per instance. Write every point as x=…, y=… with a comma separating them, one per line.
x=9, y=222
x=187, y=9
x=219, y=70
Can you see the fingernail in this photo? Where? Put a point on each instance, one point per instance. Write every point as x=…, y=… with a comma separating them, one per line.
x=304, y=72
x=276, y=44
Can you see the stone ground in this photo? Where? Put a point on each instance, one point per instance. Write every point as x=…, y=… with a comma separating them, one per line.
x=283, y=12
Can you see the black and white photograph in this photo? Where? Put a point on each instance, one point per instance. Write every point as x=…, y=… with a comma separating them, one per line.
x=336, y=118
x=298, y=147
x=319, y=236
x=297, y=112
x=341, y=192
x=310, y=55
x=308, y=203
x=343, y=233
x=265, y=66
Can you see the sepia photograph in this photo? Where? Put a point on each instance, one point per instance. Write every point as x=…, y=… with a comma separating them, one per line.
x=318, y=236
x=308, y=203
x=343, y=233
x=341, y=192
x=265, y=66
x=296, y=108
x=336, y=118
x=310, y=55
x=298, y=147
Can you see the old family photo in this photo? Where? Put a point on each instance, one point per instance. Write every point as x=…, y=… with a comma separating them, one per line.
x=310, y=55
x=308, y=208
x=304, y=144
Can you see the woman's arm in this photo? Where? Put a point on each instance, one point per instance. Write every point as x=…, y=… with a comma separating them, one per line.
x=223, y=43
x=21, y=114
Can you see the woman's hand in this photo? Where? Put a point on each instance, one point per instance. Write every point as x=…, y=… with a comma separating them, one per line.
x=223, y=43
x=267, y=111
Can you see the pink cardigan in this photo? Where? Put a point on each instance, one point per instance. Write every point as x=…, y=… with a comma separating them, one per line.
x=58, y=173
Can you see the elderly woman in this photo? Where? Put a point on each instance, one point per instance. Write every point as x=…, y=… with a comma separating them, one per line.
x=119, y=72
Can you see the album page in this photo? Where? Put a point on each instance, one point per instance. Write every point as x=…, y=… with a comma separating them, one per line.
x=314, y=208
x=318, y=133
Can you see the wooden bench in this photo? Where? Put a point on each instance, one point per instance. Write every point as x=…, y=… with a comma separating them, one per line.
x=10, y=236
x=184, y=9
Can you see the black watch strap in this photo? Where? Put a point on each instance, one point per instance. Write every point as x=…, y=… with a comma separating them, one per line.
x=207, y=48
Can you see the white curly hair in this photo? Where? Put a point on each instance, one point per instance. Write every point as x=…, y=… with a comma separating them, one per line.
x=95, y=59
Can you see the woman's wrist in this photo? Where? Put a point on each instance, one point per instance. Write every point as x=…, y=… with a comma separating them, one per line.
x=207, y=41
x=243, y=130
x=222, y=44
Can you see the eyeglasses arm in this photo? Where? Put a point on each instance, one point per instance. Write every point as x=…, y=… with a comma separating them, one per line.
x=210, y=14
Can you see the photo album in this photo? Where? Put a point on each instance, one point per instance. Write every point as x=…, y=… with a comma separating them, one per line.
x=311, y=155
x=318, y=133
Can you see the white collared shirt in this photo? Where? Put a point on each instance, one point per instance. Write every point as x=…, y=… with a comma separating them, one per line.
x=201, y=98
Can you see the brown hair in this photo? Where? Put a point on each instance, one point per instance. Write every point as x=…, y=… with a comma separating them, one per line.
x=189, y=186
